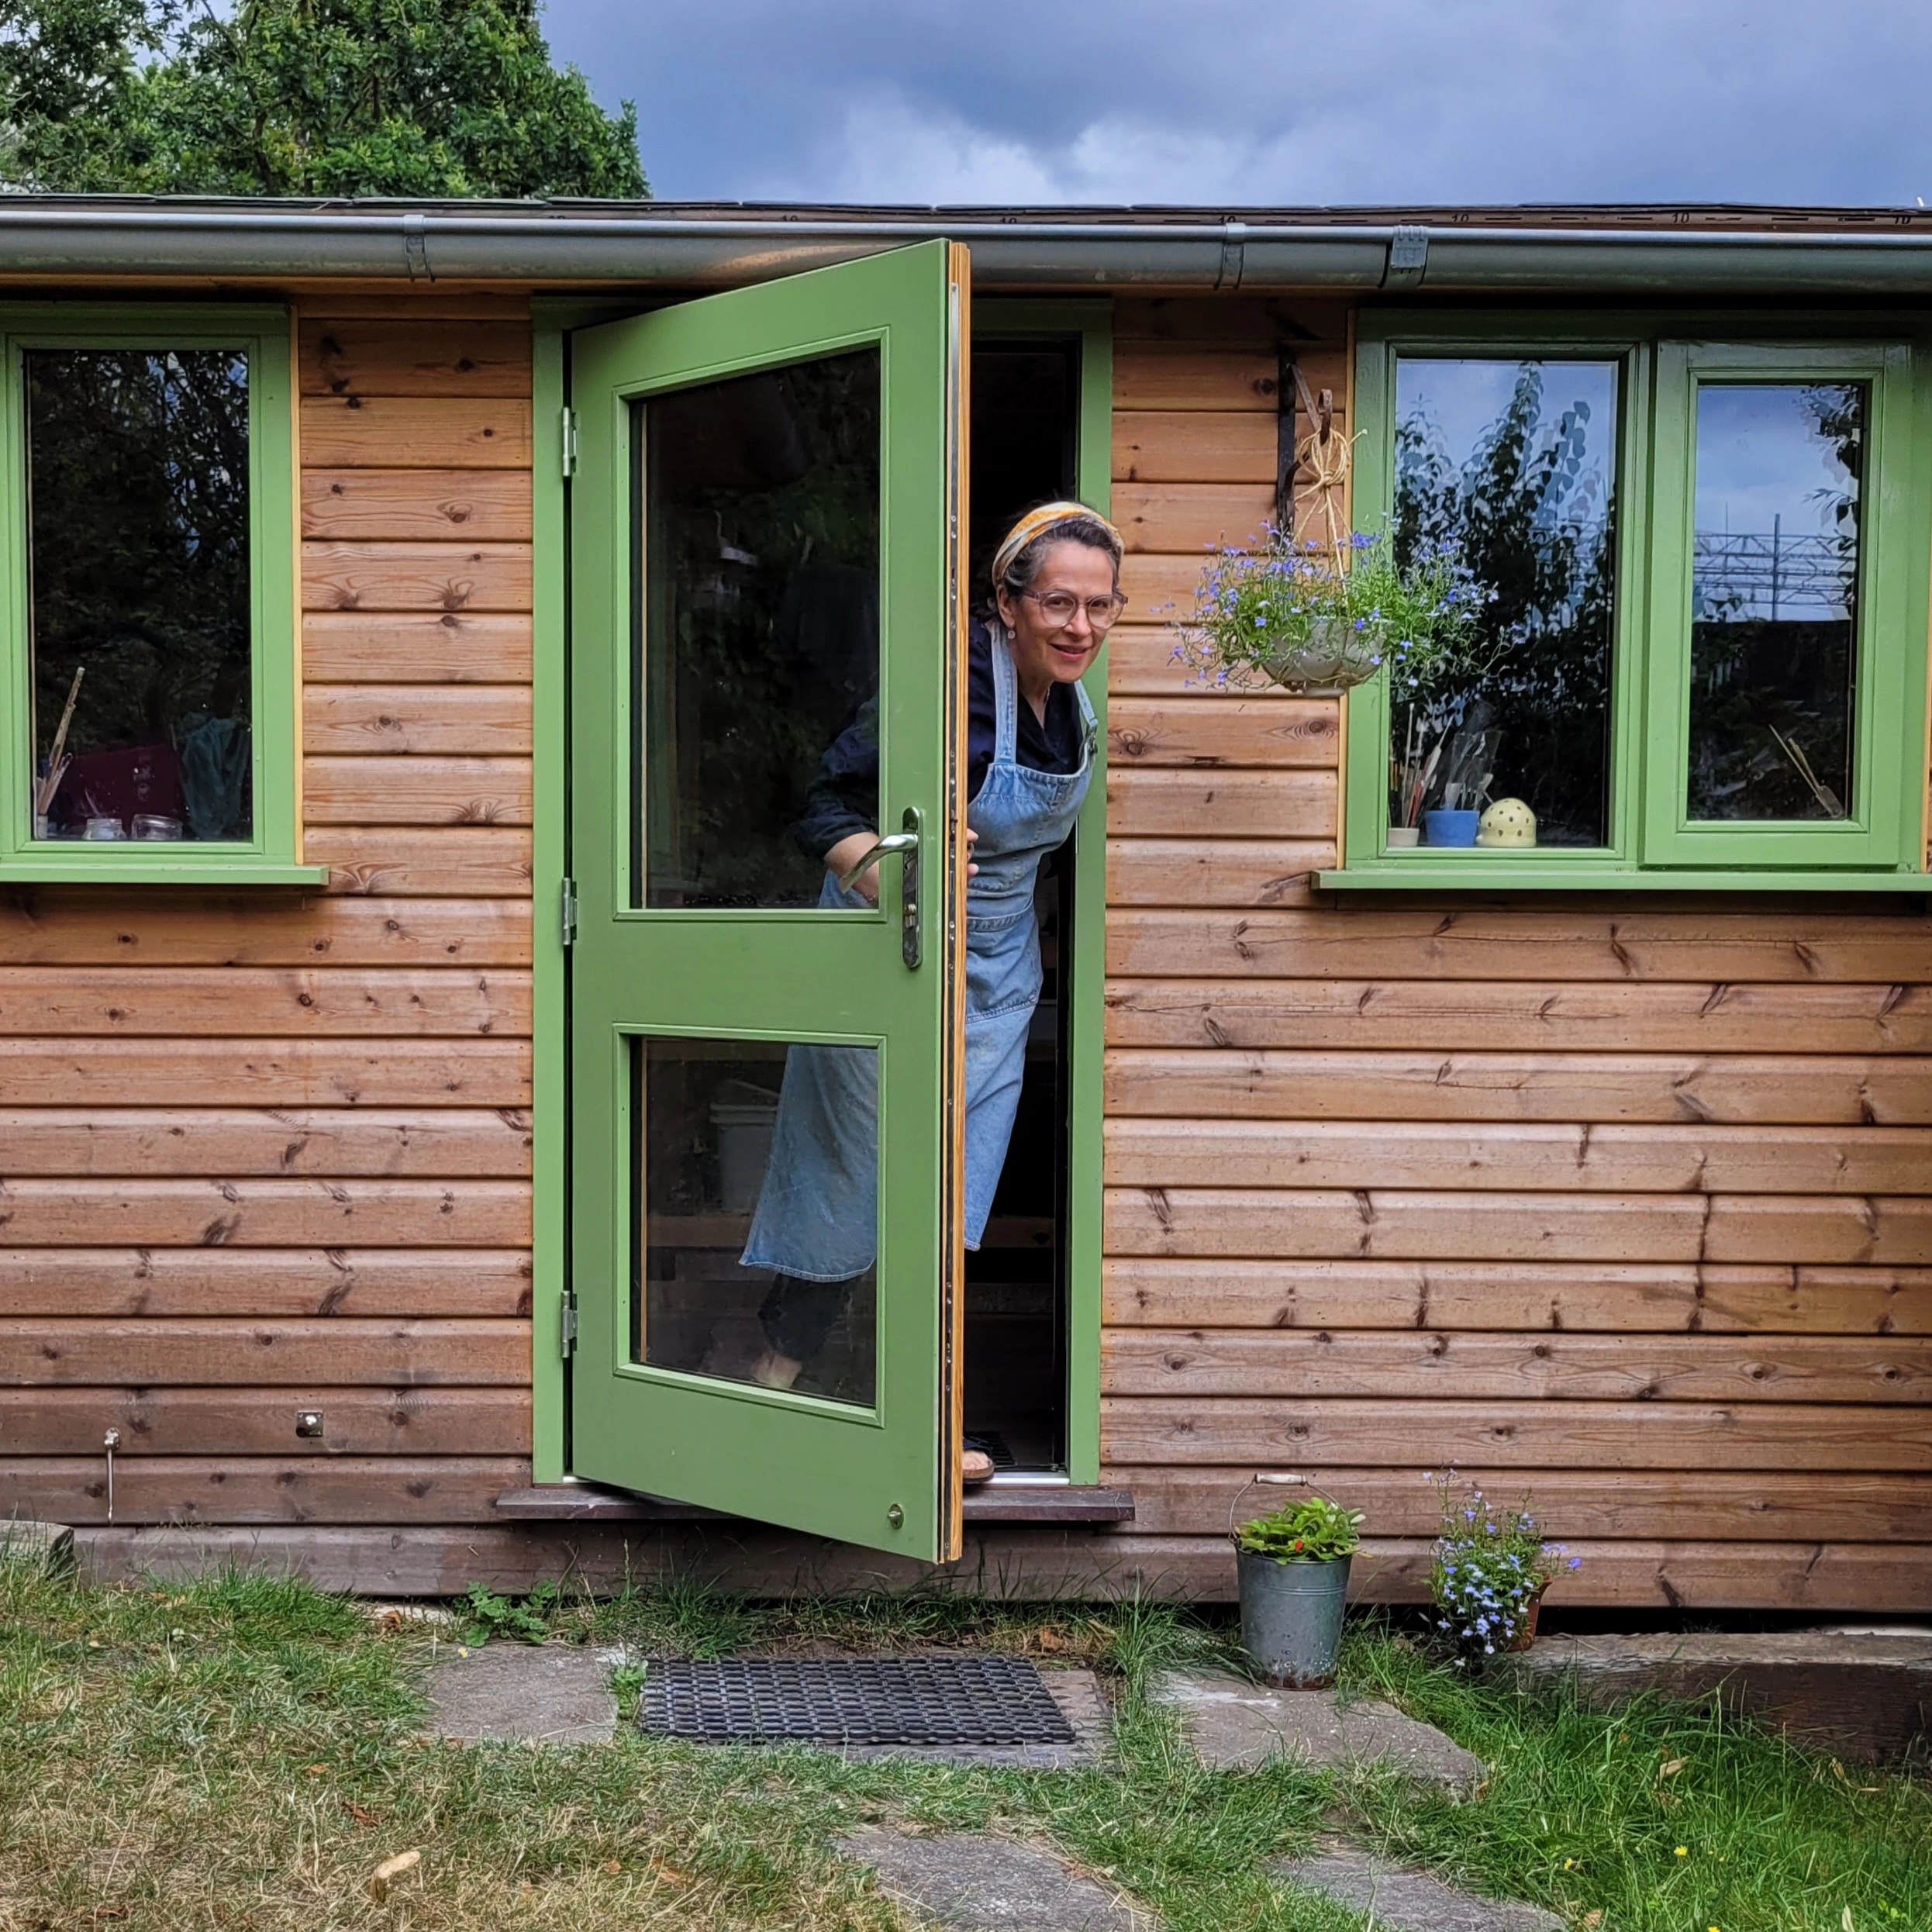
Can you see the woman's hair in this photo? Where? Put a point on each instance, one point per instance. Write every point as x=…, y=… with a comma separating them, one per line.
x=1079, y=525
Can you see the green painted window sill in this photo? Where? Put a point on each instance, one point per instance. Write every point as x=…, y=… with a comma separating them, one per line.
x=120, y=867
x=1399, y=875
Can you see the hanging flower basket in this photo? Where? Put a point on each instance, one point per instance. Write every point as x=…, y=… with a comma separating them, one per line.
x=1336, y=656
x=1319, y=615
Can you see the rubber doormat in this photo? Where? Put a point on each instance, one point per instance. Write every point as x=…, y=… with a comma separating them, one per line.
x=852, y=1700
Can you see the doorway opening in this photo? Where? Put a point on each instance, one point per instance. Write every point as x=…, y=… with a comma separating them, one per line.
x=1025, y=421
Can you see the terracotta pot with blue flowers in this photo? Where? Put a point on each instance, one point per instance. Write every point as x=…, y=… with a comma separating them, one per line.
x=1492, y=1567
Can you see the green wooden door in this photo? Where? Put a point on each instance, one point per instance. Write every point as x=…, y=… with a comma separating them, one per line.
x=765, y=1084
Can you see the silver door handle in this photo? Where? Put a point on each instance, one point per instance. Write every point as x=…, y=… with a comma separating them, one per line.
x=892, y=842
x=906, y=844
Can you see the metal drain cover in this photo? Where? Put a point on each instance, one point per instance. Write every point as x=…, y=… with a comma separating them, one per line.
x=853, y=1700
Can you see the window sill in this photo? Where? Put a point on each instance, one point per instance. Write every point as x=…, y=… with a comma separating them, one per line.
x=1510, y=876
x=122, y=867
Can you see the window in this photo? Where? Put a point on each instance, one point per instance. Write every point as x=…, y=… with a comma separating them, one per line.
x=1703, y=656
x=148, y=598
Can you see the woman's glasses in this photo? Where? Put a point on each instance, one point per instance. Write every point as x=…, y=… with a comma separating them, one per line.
x=1058, y=606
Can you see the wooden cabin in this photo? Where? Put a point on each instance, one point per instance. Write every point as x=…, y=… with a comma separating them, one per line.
x=416, y=619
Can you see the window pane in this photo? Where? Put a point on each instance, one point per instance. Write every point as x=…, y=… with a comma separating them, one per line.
x=1774, y=588
x=1514, y=463
x=138, y=617
x=757, y=1213
x=760, y=618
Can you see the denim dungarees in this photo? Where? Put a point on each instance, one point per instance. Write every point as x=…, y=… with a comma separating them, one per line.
x=817, y=1214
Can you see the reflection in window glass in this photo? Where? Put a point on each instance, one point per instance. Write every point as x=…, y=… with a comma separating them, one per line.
x=757, y=1213
x=1514, y=463
x=1774, y=588
x=139, y=608
x=761, y=621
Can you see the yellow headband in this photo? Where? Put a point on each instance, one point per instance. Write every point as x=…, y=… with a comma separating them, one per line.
x=1034, y=522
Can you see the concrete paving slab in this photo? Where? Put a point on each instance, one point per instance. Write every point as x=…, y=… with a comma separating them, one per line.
x=1403, y=1900
x=46, y=1545
x=1865, y=1695
x=545, y=1694
x=975, y=1884
x=1235, y=1725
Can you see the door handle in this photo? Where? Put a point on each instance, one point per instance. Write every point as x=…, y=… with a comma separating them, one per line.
x=906, y=845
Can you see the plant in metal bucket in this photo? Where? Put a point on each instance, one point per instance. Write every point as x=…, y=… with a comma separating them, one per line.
x=1313, y=1531
x=1293, y=1566
x=1492, y=1567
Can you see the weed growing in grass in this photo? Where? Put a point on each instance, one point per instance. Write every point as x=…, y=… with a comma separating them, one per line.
x=243, y=1753
x=486, y=1615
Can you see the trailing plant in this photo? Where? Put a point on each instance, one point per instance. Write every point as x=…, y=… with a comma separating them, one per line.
x=1264, y=613
x=1491, y=1565
x=1313, y=1530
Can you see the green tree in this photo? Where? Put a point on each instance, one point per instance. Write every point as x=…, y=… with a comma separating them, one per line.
x=386, y=98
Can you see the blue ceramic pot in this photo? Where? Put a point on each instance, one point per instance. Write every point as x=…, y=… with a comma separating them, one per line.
x=1449, y=828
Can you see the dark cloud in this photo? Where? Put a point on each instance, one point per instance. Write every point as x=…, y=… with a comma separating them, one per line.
x=1217, y=103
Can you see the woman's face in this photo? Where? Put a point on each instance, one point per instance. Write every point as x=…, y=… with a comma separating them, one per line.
x=1042, y=651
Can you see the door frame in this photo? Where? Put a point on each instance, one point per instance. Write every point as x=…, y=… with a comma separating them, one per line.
x=1091, y=319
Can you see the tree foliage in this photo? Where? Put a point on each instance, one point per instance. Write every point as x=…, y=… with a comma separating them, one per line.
x=304, y=98
x=1524, y=509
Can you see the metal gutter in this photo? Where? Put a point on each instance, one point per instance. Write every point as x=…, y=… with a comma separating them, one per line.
x=434, y=241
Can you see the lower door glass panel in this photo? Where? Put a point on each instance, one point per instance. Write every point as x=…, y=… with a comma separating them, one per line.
x=757, y=1213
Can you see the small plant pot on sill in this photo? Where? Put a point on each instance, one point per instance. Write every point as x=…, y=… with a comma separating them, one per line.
x=1451, y=828
x=1291, y=1617
x=1404, y=838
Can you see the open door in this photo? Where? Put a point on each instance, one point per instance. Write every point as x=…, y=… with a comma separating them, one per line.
x=767, y=1086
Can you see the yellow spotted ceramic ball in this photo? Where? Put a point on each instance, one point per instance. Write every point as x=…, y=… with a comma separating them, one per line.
x=1508, y=821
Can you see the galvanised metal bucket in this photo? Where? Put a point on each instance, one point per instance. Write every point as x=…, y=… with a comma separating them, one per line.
x=1291, y=1617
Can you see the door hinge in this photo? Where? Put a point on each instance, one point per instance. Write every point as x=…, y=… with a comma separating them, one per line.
x=568, y=913
x=567, y=1326
x=569, y=451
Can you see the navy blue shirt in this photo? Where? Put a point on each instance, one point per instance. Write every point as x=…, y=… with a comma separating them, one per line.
x=843, y=796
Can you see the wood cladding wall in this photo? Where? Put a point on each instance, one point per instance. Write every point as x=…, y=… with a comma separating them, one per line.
x=1625, y=1207
x=268, y=1151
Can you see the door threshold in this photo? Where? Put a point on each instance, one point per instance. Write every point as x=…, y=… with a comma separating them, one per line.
x=1007, y=1501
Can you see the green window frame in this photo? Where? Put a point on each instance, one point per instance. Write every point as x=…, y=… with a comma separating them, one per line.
x=272, y=855
x=1652, y=843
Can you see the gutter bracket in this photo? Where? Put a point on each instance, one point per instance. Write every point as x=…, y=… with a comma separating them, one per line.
x=1408, y=258
x=415, y=246
x=1233, y=247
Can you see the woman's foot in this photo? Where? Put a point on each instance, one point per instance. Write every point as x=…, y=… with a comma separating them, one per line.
x=975, y=1467
x=773, y=1371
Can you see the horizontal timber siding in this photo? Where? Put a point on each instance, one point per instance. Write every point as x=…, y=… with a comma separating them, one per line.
x=271, y=1150
x=1626, y=1207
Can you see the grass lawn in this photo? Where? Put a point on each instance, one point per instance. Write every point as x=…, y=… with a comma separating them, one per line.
x=241, y=1753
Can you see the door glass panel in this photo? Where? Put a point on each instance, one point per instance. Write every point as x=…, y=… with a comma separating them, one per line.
x=1774, y=589
x=757, y=1213
x=139, y=596
x=758, y=525
x=1512, y=465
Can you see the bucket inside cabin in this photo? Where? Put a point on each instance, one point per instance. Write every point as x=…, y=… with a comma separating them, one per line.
x=742, y=1117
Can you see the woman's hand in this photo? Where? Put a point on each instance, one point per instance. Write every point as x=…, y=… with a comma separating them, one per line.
x=846, y=854
x=851, y=849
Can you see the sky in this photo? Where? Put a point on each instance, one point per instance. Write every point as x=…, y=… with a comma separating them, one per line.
x=1216, y=104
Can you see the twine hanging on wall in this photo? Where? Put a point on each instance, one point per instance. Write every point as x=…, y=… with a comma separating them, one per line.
x=1324, y=459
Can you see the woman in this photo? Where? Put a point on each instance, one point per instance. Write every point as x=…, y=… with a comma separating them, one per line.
x=1030, y=737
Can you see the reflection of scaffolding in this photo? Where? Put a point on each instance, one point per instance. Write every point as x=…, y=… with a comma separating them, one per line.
x=1769, y=574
